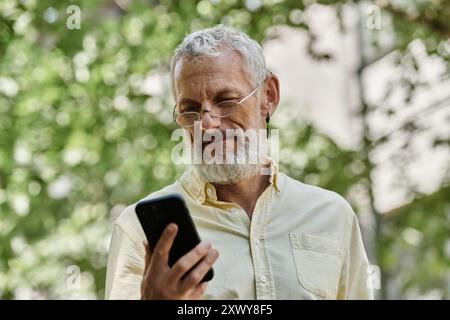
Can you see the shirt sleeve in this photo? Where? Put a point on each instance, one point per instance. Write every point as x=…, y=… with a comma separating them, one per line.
x=354, y=280
x=125, y=266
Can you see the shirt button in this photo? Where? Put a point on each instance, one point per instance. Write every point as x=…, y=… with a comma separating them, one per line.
x=257, y=241
x=263, y=279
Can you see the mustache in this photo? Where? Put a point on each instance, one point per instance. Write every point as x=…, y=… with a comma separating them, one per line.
x=216, y=135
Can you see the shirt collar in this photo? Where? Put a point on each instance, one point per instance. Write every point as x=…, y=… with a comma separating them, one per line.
x=201, y=190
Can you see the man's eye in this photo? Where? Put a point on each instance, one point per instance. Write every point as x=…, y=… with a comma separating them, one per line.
x=226, y=103
x=227, y=99
x=189, y=109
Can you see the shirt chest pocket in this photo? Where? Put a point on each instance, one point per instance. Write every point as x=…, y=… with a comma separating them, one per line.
x=318, y=262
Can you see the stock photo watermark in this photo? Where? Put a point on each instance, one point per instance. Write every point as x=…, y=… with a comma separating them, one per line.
x=373, y=21
x=73, y=278
x=73, y=21
x=374, y=279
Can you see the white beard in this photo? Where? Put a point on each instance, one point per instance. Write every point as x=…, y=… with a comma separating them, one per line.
x=227, y=173
x=232, y=172
x=235, y=170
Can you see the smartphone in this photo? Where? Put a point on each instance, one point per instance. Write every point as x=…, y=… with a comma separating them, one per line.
x=155, y=214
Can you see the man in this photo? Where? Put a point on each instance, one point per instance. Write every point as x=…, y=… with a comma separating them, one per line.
x=267, y=236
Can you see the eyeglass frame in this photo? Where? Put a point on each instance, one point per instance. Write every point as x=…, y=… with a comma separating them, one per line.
x=174, y=116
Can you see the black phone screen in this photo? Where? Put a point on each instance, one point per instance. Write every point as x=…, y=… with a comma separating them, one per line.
x=155, y=214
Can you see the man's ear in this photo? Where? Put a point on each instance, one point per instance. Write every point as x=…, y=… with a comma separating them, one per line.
x=272, y=95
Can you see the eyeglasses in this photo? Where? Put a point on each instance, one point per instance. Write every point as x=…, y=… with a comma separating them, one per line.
x=186, y=119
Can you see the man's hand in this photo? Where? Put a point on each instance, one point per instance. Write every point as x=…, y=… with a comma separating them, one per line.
x=162, y=282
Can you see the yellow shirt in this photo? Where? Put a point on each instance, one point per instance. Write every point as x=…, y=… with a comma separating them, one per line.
x=303, y=242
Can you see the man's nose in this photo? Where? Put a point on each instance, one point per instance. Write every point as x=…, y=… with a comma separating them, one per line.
x=208, y=121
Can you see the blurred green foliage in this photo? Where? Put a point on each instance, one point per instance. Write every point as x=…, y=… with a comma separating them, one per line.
x=81, y=137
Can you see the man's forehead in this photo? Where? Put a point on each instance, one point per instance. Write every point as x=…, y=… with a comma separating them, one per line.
x=221, y=65
x=215, y=72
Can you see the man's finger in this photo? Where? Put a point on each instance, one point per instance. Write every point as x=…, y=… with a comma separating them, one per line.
x=148, y=255
x=195, y=276
x=199, y=291
x=190, y=259
x=162, y=248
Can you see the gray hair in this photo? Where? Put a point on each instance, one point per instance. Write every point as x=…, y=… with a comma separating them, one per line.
x=206, y=42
